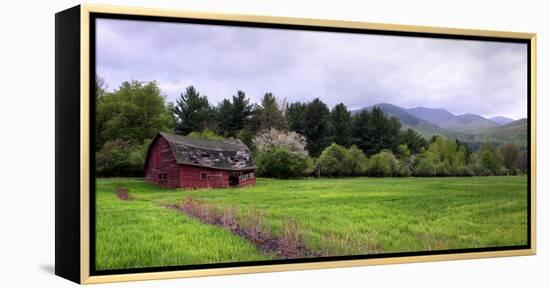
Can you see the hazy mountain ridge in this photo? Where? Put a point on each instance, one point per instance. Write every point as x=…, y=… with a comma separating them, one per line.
x=467, y=127
x=464, y=123
x=424, y=128
x=501, y=120
x=513, y=132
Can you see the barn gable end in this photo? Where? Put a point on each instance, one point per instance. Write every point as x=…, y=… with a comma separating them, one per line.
x=161, y=166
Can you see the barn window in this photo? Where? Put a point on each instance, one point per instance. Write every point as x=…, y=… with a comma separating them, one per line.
x=204, y=176
x=157, y=159
x=162, y=176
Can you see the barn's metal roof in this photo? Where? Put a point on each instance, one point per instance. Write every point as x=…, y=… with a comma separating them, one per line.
x=228, y=154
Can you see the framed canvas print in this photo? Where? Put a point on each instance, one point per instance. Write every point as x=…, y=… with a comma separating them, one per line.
x=194, y=144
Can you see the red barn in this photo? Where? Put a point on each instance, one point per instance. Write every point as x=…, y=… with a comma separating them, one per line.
x=175, y=161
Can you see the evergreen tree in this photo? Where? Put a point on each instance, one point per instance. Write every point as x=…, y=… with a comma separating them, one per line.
x=317, y=127
x=373, y=131
x=233, y=115
x=341, y=124
x=193, y=112
x=242, y=110
x=295, y=116
x=415, y=142
x=224, y=117
x=270, y=114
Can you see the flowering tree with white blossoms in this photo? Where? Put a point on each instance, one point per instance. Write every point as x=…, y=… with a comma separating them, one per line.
x=269, y=139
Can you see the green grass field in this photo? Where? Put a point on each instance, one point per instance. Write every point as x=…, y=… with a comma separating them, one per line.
x=334, y=217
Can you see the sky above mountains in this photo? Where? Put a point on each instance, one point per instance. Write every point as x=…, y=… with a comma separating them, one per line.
x=462, y=76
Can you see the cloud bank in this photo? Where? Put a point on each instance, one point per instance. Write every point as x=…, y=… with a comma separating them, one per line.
x=462, y=76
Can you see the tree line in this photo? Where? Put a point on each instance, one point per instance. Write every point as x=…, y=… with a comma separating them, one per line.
x=288, y=140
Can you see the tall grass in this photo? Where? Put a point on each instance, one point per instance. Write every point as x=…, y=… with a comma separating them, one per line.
x=328, y=216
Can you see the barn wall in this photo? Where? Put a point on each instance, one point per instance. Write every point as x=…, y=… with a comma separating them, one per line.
x=190, y=177
x=167, y=165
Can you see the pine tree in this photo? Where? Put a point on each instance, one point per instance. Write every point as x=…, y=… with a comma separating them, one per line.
x=271, y=115
x=317, y=127
x=242, y=110
x=295, y=115
x=193, y=112
x=372, y=131
x=341, y=124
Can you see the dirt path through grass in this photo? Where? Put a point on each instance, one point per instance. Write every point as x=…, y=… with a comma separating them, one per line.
x=289, y=244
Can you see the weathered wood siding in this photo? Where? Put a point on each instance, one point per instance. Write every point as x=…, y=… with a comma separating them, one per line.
x=199, y=177
x=161, y=166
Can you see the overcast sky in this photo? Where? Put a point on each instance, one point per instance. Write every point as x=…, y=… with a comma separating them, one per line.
x=486, y=78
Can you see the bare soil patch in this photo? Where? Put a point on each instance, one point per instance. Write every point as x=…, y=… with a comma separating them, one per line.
x=123, y=194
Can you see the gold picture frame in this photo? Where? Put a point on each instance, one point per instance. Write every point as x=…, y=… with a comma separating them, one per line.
x=68, y=241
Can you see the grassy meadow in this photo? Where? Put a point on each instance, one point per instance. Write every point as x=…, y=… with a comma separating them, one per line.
x=331, y=216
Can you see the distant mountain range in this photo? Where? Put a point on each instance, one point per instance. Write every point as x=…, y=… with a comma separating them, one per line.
x=501, y=120
x=466, y=127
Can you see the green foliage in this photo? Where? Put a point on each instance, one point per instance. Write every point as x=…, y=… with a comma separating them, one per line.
x=415, y=142
x=335, y=161
x=357, y=161
x=246, y=136
x=233, y=115
x=373, y=131
x=270, y=114
x=510, y=154
x=134, y=112
x=295, y=117
x=403, y=151
x=193, y=112
x=120, y=158
x=402, y=169
x=424, y=167
x=205, y=134
x=523, y=162
x=126, y=121
x=100, y=87
x=489, y=159
x=444, y=157
x=382, y=164
x=281, y=163
x=131, y=115
x=317, y=127
x=241, y=110
x=341, y=124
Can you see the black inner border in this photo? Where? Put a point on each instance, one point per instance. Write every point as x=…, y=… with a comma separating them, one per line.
x=94, y=16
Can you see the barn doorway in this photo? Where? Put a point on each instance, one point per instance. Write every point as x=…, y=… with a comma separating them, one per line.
x=233, y=180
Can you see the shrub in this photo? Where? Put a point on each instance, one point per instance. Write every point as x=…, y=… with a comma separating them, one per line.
x=443, y=169
x=462, y=171
x=357, y=161
x=402, y=170
x=424, y=167
x=334, y=161
x=282, y=163
x=205, y=134
x=489, y=159
x=382, y=164
x=118, y=158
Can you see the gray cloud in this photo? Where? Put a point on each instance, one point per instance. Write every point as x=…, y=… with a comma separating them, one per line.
x=487, y=78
